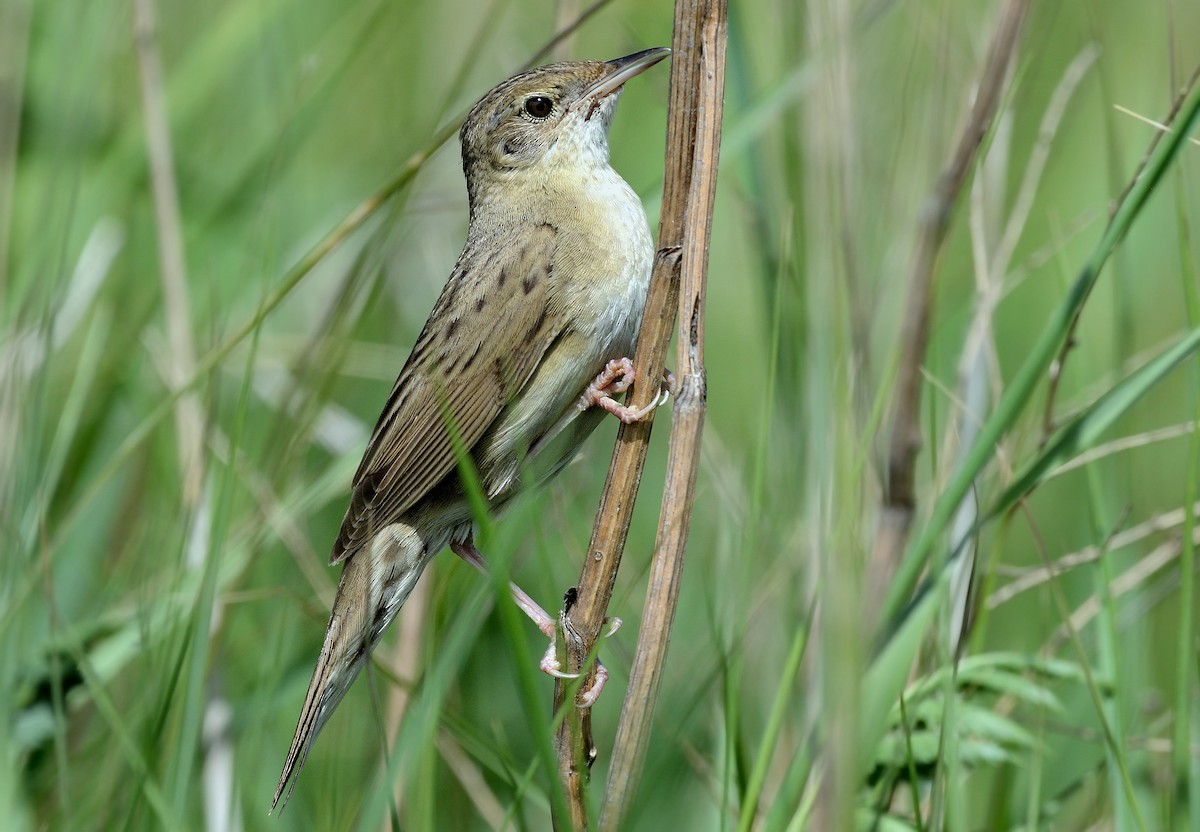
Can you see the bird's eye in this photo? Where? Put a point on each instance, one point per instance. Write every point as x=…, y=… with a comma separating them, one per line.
x=539, y=106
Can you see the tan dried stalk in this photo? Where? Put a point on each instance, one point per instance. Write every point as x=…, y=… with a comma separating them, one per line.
x=900, y=499
x=693, y=143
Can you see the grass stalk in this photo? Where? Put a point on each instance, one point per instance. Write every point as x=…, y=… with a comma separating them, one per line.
x=168, y=220
x=904, y=443
x=1020, y=390
x=702, y=27
x=693, y=142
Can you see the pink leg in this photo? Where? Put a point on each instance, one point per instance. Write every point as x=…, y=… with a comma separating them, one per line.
x=617, y=377
x=530, y=607
x=549, y=663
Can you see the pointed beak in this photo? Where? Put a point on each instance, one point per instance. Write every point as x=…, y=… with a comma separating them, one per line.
x=621, y=70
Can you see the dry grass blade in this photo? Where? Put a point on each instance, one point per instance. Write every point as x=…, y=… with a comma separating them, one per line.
x=1036, y=577
x=899, y=502
x=181, y=360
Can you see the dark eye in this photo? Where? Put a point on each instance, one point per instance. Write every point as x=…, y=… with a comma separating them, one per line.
x=539, y=106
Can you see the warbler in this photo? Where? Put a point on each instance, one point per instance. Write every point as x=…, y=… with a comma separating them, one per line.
x=524, y=351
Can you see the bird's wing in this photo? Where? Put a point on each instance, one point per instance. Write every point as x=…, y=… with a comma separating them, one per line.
x=485, y=337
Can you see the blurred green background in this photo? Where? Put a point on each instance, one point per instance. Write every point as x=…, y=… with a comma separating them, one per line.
x=160, y=614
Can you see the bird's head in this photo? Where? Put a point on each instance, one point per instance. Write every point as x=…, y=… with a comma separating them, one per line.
x=543, y=122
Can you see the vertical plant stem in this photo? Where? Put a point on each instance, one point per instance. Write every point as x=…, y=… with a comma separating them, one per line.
x=567, y=11
x=179, y=367
x=1186, y=803
x=584, y=613
x=15, y=20
x=698, y=72
x=904, y=443
x=693, y=142
x=181, y=357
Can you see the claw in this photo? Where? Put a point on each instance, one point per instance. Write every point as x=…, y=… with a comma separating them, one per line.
x=617, y=377
x=551, y=669
x=629, y=414
x=587, y=698
x=550, y=666
x=669, y=381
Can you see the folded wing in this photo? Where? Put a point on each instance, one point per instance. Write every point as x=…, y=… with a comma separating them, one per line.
x=485, y=337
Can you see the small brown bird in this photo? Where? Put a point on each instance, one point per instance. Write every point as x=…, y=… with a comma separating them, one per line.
x=523, y=352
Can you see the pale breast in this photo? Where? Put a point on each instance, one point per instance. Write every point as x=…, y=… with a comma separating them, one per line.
x=612, y=272
x=600, y=277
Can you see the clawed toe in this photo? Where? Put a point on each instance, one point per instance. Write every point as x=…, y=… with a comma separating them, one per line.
x=551, y=667
x=629, y=415
x=588, y=697
x=669, y=382
x=616, y=378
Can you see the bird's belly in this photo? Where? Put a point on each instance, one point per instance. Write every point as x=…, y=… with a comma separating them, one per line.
x=600, y=278
x=551, y=395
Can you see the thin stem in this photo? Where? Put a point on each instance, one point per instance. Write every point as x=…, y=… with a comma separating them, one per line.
x=693, y=141
x=168, y=221
x=900, y=499
x=698, y=72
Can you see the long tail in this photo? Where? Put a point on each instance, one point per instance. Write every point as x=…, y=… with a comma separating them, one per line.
x=375, y=582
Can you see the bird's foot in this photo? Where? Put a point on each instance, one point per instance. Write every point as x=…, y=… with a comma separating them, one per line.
x=617, y=377
x=551, y=666
x=544, y=622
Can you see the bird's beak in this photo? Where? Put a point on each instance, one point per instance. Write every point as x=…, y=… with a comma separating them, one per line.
x=620, y=70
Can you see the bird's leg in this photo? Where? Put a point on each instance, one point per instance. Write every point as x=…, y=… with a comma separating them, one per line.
x=617, y=377
x=530, y=607
x=549, y=663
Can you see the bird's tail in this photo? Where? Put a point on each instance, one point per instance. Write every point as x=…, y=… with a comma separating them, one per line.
x=375, y=582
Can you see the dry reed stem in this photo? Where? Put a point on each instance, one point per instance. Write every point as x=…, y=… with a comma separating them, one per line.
x=701, y=80
x=181, y=356
x=899, y=500
x=693, y=141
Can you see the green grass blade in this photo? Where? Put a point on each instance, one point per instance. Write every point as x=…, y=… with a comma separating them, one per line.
x=1086, y=429
x=1020, y=390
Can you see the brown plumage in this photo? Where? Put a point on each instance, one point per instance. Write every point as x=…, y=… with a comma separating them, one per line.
x=550, y=286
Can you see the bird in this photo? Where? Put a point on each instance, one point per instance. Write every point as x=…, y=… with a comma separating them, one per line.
x=525, y=350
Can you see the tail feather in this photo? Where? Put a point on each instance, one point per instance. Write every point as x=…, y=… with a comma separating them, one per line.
x=374, y=584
